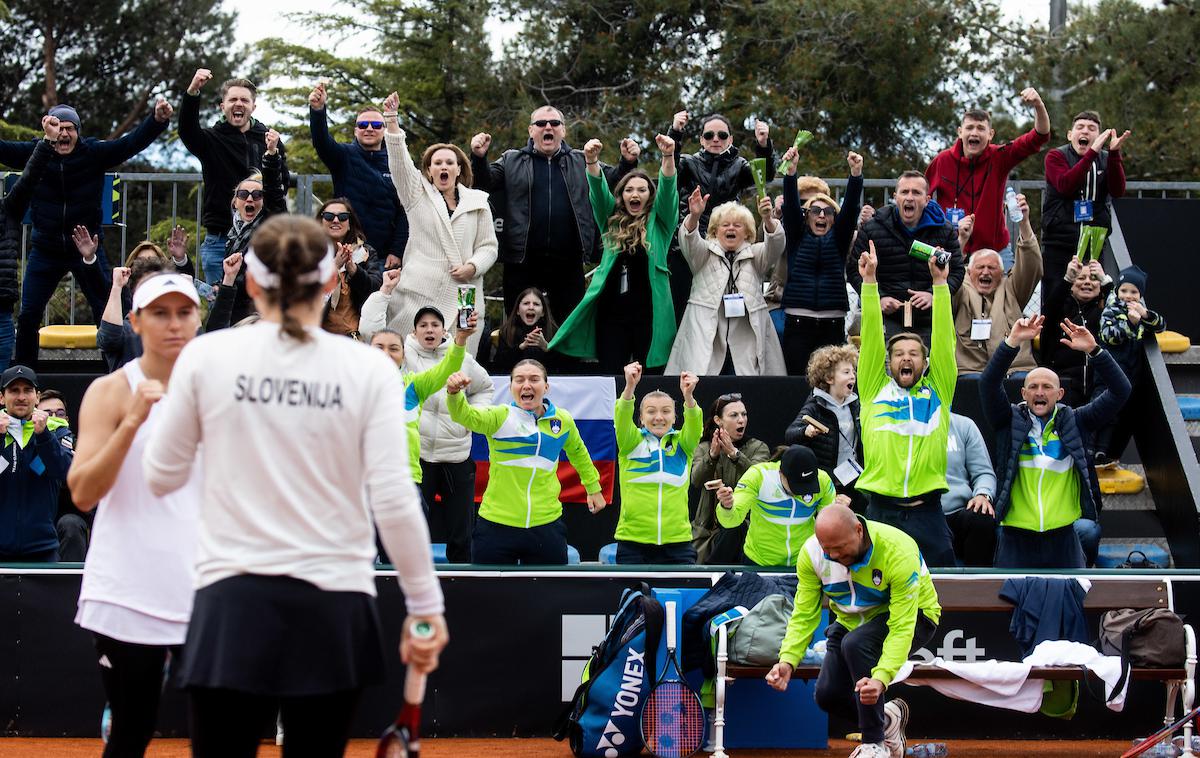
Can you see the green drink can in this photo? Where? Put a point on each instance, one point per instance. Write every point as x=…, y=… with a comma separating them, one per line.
x=466, y=304
x=924, y=251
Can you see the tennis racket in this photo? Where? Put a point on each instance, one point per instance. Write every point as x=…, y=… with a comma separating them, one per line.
x=403, y=738
x=673, y=719
x=1160, y=735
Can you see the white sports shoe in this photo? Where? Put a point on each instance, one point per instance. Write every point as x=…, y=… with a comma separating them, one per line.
x=871, y=750
x=896, y=718
x=278, y=729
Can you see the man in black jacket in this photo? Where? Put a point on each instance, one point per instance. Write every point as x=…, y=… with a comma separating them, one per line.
x=360, y=174
x=1047, y=480
x=228, y=151
x=905, y=287
x=544, y=220
x=12, y=211
x=69, y=195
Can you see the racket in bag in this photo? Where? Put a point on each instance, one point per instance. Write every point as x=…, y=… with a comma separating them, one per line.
x=603, y=719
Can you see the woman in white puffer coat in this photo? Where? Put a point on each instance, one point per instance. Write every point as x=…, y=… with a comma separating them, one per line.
x=451, y=239
x=727, y=328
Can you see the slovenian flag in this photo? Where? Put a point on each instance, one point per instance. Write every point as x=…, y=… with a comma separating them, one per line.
x=590, y=401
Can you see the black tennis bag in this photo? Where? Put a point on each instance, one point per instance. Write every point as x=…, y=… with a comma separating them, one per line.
x=603, y=719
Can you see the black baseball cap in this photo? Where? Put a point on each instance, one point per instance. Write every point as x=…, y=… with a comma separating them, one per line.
x=18, y=373
x=426, y=309
x=799, y=467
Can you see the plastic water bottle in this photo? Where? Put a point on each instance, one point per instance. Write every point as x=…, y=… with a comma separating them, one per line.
x=928, y=750
x=1014, y=210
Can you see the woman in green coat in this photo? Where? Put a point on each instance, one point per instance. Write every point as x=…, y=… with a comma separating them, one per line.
x=626, y=314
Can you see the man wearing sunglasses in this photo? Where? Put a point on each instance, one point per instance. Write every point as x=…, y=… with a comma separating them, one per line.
x=229, y=151
x=539, y=197
x=360, y=174
x=720, y=173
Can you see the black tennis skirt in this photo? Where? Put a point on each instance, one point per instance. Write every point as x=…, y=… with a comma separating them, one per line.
x=278, y=635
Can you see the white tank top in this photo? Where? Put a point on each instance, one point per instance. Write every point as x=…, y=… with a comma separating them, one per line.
x=139, y=576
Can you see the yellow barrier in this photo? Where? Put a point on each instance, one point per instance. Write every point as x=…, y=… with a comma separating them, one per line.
x=68, y=337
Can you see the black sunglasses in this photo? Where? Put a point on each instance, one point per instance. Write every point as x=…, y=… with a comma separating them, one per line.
x=821, y=210
x=330, y=216
x=547, y=122
x=247, y=194
x=718, y=135
x=370, y=124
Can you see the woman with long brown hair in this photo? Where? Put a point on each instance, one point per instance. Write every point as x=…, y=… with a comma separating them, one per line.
x=626, y=314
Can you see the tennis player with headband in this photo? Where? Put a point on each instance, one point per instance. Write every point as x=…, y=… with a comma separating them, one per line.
x=303, y=433
x=140, y=571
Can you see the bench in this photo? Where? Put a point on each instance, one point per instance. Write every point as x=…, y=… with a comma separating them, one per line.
x=982, y=594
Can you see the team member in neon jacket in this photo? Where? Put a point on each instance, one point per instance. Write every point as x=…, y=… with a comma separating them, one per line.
x=654, y=463
x=885, y=606
x=520, y=518
x=782, y=497
x=419, y=386
x=906, y=417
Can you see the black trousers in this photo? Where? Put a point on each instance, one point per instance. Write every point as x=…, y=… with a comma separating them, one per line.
x=677, y=553
x=802, y=336
x=850, y=656
x=133, y=682
x=72, y=538
x=451, y=519
x=617, y=344
x=231, y=723
x=974, y=537
x=561, y=280
x=925, y=523
x=500, y=545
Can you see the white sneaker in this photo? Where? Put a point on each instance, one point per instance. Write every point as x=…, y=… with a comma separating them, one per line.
x=278, y=729
x=871, y=750
x=895, y=719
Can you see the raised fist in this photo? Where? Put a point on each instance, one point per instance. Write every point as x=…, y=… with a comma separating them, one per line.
x=480, y=144
x=50, y=127
x=316, y=98
x=272, y=140
x=666, y=145
x=591, y=150
x=391, y=278
x=679, y=121
x=855, y=162
x=162, y=110
x=630, y=150
x=120, y=276
x=391, y=103
x=199, y=79
x=762, y=132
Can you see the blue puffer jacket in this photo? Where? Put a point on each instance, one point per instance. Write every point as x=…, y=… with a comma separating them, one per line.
x=816, y=277
x=362, y=177
x=1075, y=426
x=69, y=193
x=29, y=485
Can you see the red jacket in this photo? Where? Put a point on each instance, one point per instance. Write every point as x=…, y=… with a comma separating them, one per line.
x=977, y=186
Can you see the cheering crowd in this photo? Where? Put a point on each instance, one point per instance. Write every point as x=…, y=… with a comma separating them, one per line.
x=688, y=281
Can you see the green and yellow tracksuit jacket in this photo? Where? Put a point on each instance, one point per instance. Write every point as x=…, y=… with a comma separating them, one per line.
x=654, y=477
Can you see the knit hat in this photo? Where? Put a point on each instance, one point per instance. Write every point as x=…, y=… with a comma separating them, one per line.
x=65, y=113
x=1132, y=275
x=799, y=467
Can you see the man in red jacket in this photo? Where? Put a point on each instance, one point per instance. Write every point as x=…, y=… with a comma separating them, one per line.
x=971, y=176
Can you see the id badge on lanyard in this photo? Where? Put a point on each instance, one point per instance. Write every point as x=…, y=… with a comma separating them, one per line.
x=1084, y=210
x=735, y=305
x=955, y=215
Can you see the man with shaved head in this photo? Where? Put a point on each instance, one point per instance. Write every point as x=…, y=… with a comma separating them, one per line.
x=989, y=302
x=1046, y=478
x=885, y=607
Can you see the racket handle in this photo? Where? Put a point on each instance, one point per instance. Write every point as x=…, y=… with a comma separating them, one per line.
x=414, y=681
x=670, y=624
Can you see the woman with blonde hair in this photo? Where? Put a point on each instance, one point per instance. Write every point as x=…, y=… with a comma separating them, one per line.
x=626, y=314
x=727, y=328
x=451, y=239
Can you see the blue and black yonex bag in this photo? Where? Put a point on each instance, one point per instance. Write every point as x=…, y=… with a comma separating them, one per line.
x=603, y=719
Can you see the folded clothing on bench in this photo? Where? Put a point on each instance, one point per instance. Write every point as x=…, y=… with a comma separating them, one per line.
x=1006, y=684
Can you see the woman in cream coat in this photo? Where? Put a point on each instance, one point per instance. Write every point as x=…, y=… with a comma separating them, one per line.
x=727, y=327
x=451, y=238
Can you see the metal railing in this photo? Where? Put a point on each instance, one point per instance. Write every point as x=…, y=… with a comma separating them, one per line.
x=139, y=190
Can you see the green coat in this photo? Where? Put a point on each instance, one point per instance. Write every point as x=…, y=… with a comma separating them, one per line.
x=577, y=335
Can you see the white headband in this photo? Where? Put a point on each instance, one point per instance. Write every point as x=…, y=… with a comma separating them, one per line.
x=270, y=281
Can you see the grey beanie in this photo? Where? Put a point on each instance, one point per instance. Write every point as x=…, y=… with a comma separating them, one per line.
x=66, y=113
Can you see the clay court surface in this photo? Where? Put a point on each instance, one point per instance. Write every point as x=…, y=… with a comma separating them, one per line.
x=446, y=748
